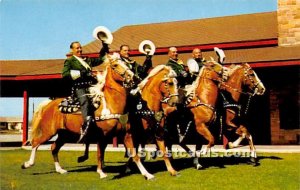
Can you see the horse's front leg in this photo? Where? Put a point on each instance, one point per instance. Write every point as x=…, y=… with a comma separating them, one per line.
x=203, y=130
x=100, y=159
x=85, y=155
x=230, y=115
x=162, y=148
x=133, y=154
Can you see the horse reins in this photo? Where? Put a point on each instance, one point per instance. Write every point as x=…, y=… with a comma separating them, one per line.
x=246, y=74
x=167, y=98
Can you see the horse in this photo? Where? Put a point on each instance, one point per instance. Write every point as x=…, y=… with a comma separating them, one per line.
x=242, y=81
x=157, y=97
x=198, y=111
x=49, y=121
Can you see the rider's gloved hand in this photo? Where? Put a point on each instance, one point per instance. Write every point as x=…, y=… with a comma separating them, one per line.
x=184, y=73
x=86, y=73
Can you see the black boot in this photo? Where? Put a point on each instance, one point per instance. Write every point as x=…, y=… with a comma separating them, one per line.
x=84, y=129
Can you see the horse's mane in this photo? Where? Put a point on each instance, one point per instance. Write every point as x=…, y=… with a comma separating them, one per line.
x=191, y=88
x=96, y=91
x=153, y=72
x=233, y=68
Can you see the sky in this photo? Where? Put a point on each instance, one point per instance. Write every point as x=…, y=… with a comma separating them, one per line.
x=44, y=29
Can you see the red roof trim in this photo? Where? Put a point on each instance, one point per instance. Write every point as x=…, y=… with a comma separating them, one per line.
x=253, y=64
x=275, y=64
x=209, y=47
x=33, y=77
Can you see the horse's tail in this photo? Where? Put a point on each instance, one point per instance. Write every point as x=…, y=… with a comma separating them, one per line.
x=36, y=119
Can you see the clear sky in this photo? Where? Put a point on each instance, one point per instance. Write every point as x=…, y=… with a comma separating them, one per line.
x=43, y=29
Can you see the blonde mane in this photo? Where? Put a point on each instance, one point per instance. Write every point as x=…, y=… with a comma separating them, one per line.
x=153, y=72
x=233, y=68
x=96, y=91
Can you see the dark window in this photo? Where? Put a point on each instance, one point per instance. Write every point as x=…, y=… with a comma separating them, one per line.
x=289, y=108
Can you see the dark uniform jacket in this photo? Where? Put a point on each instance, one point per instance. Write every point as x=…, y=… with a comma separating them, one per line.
x=183, y=77
x=86, y=78
x=140, y=71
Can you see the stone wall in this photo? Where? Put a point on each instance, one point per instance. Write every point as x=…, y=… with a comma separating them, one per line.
x=288, y=13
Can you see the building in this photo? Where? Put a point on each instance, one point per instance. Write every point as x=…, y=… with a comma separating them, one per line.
x=269, y=42
x=11, y=123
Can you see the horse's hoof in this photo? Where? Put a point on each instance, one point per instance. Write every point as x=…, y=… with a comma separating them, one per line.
x=62, y=171
x=103, y=177
x=149, y=177
x=23, y=166
x=198, y=166
x=127, y=170
x=175, y=173
x=178, y=174
x=82, y=159
x=253, y=161
x=26, y=165
x=229, y=145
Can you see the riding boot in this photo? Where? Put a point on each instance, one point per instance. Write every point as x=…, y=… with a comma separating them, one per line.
x=85, y=127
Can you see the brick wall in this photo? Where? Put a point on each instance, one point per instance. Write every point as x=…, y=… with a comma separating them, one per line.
x=288, y=14
x=280, y=136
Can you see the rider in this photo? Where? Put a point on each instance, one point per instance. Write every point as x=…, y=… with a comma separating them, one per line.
x=140, y=72
x=183, y=76
x=78, y=70
x=195, y=63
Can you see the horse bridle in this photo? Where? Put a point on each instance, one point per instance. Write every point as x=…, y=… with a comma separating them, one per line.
x=165, y=99
x=123, y=75
x=255, y=85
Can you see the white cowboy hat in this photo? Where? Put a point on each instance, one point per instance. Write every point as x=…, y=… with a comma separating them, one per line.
x=102, y=33
x=220, y=53
x=147, y=47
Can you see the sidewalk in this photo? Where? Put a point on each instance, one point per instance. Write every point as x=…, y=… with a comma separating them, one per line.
x=14, y=141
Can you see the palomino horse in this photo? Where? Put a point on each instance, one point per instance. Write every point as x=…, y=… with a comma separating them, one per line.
x=241, y=77
x=199, y=109
x=49, y=121
x=158, y=96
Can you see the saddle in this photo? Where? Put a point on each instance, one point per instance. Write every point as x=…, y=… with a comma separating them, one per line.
x=69, y=105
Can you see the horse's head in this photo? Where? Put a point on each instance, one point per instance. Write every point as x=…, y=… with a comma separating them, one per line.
x=212, y=70
x=252, y=81
x=122, y=72
x=169, y=88
x=160, y=85
x=215, y=66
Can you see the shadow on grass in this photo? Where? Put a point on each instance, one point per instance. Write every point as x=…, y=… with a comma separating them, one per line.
x=156, y=166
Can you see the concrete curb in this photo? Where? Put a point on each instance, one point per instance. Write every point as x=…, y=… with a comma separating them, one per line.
x=177, y=148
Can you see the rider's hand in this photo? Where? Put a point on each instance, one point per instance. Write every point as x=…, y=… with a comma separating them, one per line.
x=85, y=73
x=184, y=73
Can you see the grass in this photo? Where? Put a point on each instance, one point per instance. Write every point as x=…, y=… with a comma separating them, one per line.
x=276, y=171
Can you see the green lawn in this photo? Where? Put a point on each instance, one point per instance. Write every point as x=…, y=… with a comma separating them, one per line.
x=276, y=171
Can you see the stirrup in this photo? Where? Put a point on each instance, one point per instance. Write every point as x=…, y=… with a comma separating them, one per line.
x=82, y=134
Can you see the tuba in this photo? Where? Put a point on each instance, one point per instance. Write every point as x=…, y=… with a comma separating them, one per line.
x=147, y=47
x=103, y=34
